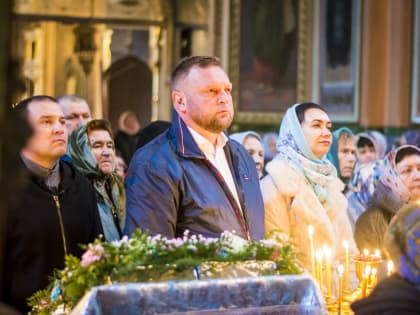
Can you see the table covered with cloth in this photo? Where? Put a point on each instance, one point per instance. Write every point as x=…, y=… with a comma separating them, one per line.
x=234, y=296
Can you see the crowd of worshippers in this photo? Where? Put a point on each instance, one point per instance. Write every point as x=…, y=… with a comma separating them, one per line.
x=82, y=182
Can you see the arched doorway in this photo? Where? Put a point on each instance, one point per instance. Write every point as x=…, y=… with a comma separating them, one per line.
x=128, y=86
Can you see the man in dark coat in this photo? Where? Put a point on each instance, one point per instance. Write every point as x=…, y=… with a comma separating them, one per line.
x=193, y=177
x=55, y=210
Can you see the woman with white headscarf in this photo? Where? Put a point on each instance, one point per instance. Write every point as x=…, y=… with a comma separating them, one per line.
x=301, y=187
x=253, y=144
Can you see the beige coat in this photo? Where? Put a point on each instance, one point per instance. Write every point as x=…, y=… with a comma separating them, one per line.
x=291, y=205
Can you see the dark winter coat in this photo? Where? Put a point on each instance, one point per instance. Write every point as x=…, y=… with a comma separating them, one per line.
x=392, y=296
x=34, y=237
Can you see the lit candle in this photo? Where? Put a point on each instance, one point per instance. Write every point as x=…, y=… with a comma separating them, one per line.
x=365, y=277
x=366, y=253
x=377, y=253
x=390, y=267
x=311, y=244
x=319, y=267
x=346, y=269
x=327, y=253
x=340, y=287
x=374, y=277
x=368, y=270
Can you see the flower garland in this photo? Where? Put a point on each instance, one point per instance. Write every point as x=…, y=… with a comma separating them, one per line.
x=144, y=258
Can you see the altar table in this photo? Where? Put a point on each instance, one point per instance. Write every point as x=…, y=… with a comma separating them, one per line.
x=266, y=295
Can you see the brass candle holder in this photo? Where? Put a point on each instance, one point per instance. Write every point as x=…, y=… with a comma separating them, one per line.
x=366, y=271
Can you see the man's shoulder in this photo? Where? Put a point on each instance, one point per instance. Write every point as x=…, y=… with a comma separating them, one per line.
x=154, y=151
x=73, y=178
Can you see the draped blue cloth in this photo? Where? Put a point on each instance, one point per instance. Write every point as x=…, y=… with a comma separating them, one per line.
x=252, y=295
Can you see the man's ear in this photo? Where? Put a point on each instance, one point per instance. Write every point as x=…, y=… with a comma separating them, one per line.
x=178, y=99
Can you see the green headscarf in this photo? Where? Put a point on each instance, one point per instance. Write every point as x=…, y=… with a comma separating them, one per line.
x=84, y=161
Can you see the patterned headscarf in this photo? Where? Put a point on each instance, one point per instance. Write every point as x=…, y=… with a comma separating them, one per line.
x=84, y=161
x=294, y=149
x=402, y=242
x=389, y=175
x=362, y=187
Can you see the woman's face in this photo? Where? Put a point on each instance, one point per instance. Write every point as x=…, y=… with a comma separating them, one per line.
x=102, y=147
x=317, y=130
x=409, y=171
x=366, y=154
x=255, y=149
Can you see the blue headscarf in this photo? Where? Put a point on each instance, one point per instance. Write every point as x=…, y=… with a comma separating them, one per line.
x=402, y=242
x=332, y=155
x=362, y=187
x=294, y=149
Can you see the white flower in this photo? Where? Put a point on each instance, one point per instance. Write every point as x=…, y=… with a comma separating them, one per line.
x=233, y=243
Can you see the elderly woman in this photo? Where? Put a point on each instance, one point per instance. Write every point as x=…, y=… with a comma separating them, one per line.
x=92, y=152
x=399, y=184
x=399, y=293
x=302, y=188
x=253, y=143
x=342, y=153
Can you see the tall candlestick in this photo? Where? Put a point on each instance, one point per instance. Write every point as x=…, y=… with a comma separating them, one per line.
x=311, y=244
x=319, y=267
x=340, y=287
x=327, y=253
x=390, y=267
x=346, y=269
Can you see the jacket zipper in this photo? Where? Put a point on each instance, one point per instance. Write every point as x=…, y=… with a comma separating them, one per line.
x=60, y=219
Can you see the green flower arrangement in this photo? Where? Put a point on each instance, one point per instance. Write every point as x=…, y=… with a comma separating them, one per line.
x=144, y=258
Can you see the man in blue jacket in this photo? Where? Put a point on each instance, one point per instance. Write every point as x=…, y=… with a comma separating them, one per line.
x=193, y=177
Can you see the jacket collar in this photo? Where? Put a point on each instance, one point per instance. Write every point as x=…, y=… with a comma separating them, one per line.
x=182, y=139
x=185, y=144
x=67, y=175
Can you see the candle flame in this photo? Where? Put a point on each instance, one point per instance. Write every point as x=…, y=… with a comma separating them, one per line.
x=310, y=230
x=340, y=270
x=327, y=253
x=377, y=253
x=319, y=255
x=366, y=252
x=390, y=266
x=368, y=269
x=346, y=244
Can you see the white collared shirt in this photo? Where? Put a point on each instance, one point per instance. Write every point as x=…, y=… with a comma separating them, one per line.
x=217, y=157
